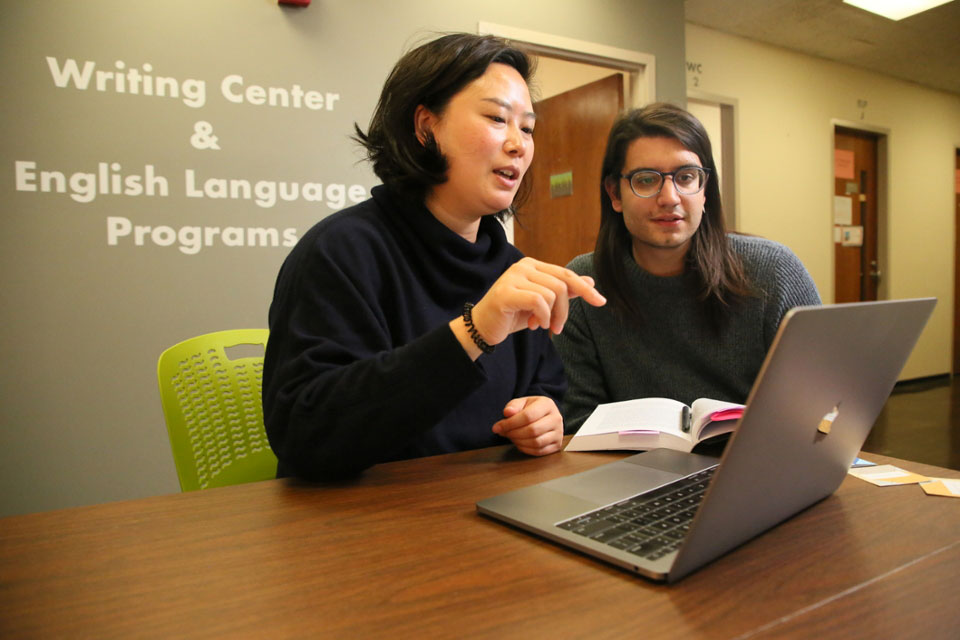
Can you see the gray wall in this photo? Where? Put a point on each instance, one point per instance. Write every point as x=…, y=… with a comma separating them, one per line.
x=86, y=315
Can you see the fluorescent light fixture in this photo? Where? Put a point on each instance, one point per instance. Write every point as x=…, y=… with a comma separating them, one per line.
x=896, y=9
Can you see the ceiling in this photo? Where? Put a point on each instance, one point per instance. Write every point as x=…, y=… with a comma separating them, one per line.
x=924, y=48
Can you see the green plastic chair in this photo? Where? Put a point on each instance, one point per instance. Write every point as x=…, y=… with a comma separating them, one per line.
x=210, y=389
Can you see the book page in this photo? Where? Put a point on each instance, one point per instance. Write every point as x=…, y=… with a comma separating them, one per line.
x=644, y=414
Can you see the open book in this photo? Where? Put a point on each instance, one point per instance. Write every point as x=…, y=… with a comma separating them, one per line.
x=649, y=423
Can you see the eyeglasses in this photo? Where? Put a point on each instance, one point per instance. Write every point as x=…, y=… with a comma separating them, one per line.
x=646, y=183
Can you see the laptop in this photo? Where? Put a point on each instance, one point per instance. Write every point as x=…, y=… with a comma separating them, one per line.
x=664, y=514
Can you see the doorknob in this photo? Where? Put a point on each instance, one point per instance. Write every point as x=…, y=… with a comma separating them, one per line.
x=874, y=270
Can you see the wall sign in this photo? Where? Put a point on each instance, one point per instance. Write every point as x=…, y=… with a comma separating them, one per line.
x=104, y=179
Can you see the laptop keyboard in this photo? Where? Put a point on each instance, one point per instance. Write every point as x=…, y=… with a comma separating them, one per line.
x=651, y=524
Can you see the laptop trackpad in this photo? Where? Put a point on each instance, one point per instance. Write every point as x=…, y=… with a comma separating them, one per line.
x=611, y=482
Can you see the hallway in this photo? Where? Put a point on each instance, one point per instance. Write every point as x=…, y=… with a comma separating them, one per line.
x=920, y=422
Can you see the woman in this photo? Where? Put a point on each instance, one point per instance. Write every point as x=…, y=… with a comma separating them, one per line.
x=693, y=309
x=399, y=327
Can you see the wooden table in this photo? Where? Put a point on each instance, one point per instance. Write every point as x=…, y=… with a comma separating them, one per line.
x=402, y=553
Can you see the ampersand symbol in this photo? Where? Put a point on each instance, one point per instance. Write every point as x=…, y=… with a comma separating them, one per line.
x=202, y=137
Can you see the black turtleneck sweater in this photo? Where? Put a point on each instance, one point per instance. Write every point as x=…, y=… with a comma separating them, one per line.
x=361, y=366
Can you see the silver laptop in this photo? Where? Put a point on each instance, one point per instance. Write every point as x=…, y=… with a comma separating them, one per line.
x=664, y=514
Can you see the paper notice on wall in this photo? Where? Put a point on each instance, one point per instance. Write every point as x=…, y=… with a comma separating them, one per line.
x=842, y=210
x=842, y=164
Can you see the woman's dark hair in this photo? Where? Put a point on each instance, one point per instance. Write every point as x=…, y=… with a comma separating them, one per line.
x=720, y=276
x=429, y=75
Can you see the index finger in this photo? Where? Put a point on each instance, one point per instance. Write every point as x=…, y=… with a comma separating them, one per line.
x=577, y=285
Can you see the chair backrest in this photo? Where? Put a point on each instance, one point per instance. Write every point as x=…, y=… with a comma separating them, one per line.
x=210, y=389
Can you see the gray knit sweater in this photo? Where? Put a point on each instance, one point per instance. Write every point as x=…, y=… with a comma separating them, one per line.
x=677, y=353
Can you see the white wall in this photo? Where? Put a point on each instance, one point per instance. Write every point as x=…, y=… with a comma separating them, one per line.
x=787, y=104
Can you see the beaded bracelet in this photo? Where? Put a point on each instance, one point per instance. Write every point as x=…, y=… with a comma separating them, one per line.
x=474, y=334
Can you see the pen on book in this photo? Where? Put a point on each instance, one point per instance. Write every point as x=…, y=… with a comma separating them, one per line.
x=685, y=419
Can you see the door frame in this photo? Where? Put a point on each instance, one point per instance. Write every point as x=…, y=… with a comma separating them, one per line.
x=729, y=128
x=883, y=254
x=640, y=66
x=955, y=356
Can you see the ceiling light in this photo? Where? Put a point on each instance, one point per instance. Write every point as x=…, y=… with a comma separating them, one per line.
x=896, y=9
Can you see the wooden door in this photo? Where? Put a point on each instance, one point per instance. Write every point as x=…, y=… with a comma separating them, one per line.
x=857, y=270
x=561, y=218
x=956, y=271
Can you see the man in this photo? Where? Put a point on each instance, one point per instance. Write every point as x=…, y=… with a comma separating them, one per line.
x=692, y=310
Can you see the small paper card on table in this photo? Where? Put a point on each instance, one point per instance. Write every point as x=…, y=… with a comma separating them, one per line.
x=887, y=475
x=949, y=487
